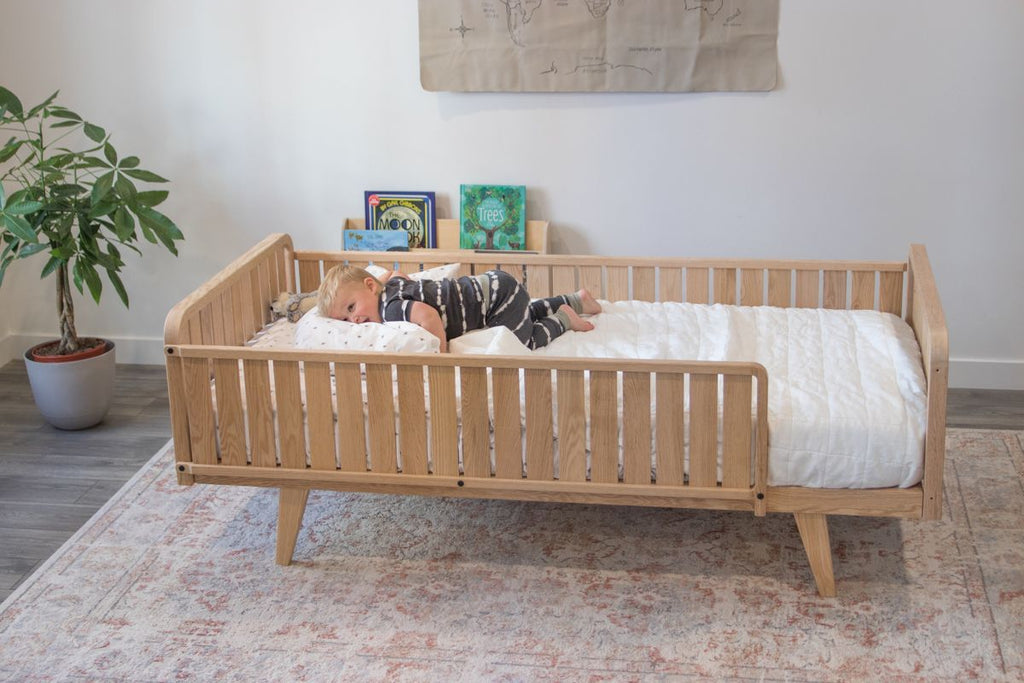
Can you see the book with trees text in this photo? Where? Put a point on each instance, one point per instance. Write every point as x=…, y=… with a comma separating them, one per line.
x=492, y=217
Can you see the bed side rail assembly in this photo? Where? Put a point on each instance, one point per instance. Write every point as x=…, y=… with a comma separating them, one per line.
x=571, y=430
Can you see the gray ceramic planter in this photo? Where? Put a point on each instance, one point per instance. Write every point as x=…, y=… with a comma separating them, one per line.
x=73, y=394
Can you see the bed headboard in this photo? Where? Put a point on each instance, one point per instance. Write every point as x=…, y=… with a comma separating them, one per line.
x=233, y=305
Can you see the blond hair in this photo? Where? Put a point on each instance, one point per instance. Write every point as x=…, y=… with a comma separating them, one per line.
x=338, y=277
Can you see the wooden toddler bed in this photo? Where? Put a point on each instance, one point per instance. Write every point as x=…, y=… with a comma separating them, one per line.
x=284, y=418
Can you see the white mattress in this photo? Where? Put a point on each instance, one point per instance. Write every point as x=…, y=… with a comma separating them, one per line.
x=846, y=389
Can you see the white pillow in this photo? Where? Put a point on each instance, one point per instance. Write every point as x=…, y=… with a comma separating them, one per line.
x=448, y=270
x=315, y=331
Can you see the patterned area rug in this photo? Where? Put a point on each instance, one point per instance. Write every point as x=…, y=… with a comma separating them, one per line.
x=170, y=582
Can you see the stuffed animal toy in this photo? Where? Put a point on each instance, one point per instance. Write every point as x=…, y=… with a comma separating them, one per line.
x=293, y=306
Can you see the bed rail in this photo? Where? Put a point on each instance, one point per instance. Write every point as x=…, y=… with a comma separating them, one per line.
x=272, y=420
x=878, y=285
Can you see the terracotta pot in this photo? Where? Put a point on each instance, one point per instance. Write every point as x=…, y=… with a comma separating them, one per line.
x=73, y=394
x=81, y=354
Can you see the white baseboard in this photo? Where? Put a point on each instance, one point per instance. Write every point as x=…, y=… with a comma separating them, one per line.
x=130, y=350
x=978, y=373
x=967, y=373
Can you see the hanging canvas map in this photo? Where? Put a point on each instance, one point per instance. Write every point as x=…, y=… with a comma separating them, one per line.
x=598, y=45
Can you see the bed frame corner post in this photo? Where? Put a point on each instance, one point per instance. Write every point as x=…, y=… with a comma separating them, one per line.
x=292, y=505
x=813, y=530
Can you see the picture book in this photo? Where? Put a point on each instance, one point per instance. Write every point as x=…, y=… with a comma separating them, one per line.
x=376, y=240
x=492, y=217
x=411, y=212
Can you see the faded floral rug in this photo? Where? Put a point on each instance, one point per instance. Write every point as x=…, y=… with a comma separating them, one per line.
x=169, y=582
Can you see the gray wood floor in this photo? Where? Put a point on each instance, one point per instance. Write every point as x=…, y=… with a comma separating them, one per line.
x=51, y=482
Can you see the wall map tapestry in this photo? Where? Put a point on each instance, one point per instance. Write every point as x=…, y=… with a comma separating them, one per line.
x=598, y=45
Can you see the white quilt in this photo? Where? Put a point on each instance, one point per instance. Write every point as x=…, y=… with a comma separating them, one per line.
x=846, y=389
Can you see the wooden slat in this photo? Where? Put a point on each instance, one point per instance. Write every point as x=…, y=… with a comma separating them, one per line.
x=320, y=414
x=807, y=288
x=834, y=289
x=751, y=287
x=737, y=432
x=725, y=286
x=230, y=412
x=259, y=314
x=643, y=284
x=239, y=335
x=591, y=280
x=309, y=276
x=670, y=423
x=780, y=287
x=703, y=430
x=508, y=431
x=636, y=427
x=670, y=284
x=412, y=419
x=697, y=285
x=618, y=283
x=202, y=431
x=572, y=457
x=219, y=330
x=538, y=281
x=563, y=279
x=266, y=291
x=863, y=290
x=351, y=422
x=890, y=293
x=444, y=439
x=604, y=427
x=539, y=426
x=476, y=451
x=260, y=411
x=380, y=404
x=290, y=426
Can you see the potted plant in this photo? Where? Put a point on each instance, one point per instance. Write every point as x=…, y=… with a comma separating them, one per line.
x=66, y=194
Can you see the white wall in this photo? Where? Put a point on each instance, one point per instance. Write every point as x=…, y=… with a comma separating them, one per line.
x=892, y=123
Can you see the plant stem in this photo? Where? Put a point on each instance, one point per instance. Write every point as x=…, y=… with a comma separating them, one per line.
x=66, y=312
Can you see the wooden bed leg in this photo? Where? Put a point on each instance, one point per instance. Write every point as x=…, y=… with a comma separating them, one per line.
x=291, y=507
x=814, y=534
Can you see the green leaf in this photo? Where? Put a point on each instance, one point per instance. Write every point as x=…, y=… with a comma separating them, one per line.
x=50, y=266
x=92, y=279
x=110, y=153
x=65, y=124
x=102, y=187
x=67, y=190
x=10, y=149
x=118, y=286
x=42, y=105
x=93, y=162
x=32, y=249
x=129, y=162
x=124, y=224
x=145, y=176
x=125, y=188
x=150, y=198
x=22, y=208
x=160, y=223
x=20, y=227
x=95, y=133
x=64, y=113
x=10, y=102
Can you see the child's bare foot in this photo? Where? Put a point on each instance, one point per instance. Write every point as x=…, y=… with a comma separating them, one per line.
x=588, y=302
x=576, y=323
